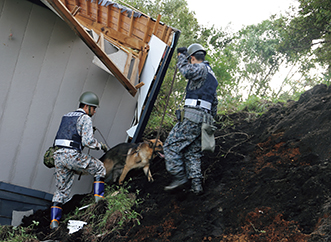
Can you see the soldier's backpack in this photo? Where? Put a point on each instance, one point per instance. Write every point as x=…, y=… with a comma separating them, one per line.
x=49, y=156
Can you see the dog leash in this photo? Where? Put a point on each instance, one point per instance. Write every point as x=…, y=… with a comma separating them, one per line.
x=89, y=149
x=95, y=128
x=167, y=102
x=164, y=112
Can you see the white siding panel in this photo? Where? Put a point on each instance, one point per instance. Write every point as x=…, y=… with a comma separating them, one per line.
x=114, y=106
x=13, y=20
x=51, y=76
x=1, y=7
x=36, y=43
x=21, y=91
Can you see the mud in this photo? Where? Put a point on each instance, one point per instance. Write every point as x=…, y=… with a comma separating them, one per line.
x=268, y=180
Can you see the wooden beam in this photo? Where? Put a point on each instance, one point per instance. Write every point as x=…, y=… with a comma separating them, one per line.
x=96, y=5
x=75, y=10
x=131, y=24
x=134, y=71
x=147, y=29
x=156, y=25
x=163, y=33
x=119, y=20
x=142, y=57
x=89, y=41
x=88, y=8
x=127, y=64
x=108, y=15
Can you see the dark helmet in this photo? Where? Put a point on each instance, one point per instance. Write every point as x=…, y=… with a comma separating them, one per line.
x=194, y=48
x=89, y=98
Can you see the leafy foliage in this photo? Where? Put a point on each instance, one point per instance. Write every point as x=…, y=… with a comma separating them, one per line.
x=248, y=63
x=309, y=30
x=18, y=234
x=110, y=213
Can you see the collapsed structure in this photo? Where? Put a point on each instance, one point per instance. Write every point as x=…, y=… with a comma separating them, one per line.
x=47, y=60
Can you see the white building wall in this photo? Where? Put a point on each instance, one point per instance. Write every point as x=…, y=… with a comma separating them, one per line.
x=44, y=68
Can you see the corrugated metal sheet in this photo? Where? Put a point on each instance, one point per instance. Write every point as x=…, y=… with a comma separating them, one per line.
x=44, y=68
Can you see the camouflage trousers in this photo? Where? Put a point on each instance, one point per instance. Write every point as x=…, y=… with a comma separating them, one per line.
x=67, y=163
x=182, y=149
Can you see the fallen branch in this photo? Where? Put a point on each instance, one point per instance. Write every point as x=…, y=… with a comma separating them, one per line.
x=235, y=133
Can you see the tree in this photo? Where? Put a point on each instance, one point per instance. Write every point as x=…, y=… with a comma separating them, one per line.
x=308, y=31
x=257, y=46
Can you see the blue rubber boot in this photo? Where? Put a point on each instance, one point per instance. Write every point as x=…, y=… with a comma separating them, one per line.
x=99, y=188
x=56, y=214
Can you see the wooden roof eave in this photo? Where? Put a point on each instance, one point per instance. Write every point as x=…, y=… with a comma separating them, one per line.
x=110, y=34
x=89, y=41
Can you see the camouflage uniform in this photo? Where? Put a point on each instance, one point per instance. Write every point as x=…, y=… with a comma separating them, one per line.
x=182, y=148
x=69, y=160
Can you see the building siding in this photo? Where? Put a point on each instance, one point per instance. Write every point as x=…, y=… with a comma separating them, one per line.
x=44, y=68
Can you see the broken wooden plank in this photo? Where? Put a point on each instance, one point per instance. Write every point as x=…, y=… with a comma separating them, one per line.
x=89, y=41
x=139, y=85
x=101, y=42
x=127, y=65
x=134, y=71
x=142, y=57
x=75, y=10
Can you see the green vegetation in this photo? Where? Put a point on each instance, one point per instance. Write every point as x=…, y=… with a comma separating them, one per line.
x=18, y=234
x=109, y=214
x=273, y=61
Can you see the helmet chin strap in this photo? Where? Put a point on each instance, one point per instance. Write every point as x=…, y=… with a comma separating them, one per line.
x=89, y=111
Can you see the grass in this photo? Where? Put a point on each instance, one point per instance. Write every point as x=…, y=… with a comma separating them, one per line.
x=109, y=214
x=18, y=233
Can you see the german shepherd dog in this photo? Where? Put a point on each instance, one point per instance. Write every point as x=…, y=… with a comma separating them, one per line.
x=123, y=157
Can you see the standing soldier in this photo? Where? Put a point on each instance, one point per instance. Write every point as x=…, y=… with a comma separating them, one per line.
x=182, y=147
x=76, y=132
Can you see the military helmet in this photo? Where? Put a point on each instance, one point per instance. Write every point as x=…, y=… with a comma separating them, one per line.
x=193, y=48
x=89, y=98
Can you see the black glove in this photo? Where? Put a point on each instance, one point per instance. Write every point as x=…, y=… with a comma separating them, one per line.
x=182, y=50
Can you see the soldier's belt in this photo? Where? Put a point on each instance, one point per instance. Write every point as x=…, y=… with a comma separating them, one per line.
x=198, y=103
x=66, y=143
x=197, y=115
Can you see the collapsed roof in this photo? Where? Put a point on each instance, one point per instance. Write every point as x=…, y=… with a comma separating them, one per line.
x=124, y=27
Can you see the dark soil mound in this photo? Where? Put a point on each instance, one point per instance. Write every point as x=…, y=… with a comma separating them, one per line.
x=268, y=180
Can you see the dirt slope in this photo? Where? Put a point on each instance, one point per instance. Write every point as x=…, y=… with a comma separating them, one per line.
x=268, y=180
